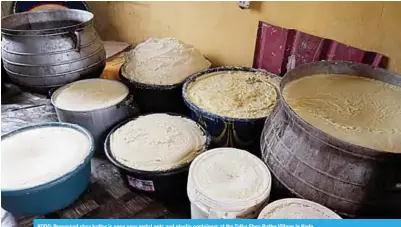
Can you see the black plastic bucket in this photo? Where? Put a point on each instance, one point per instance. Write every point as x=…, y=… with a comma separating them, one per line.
x=166, y=186
x=153, y=98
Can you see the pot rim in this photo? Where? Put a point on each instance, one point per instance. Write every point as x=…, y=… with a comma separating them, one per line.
x=49, y=31
x=63, y=178
x=160, y=173
x=193, y=107
x=356, y=150
x=60, y=89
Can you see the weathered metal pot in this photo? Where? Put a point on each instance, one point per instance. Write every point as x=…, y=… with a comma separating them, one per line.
x=46, y=49
x=98, y=121
x=352, y=180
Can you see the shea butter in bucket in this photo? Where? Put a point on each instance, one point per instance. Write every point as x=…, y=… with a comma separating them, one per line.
x=296, y=209
x=227, y=183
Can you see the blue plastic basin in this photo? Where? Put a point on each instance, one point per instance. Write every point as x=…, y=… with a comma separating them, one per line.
x=54, y=195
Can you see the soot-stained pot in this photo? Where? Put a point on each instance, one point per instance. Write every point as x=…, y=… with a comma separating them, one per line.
x=241, y=133
x=42, y=50
x=99, y=121
x=308, y=163
x=153, y=98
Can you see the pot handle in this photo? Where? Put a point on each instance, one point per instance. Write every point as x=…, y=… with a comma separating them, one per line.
x=76, y=40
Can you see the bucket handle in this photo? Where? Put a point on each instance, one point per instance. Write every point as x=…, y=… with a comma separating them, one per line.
x=76, y=40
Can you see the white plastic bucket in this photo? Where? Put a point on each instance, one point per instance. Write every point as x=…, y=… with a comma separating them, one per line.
x=213, y=176
x=293, y=208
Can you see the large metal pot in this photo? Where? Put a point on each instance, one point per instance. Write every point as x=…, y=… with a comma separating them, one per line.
x=308, y=163
x=46, y=49
x=98, y=122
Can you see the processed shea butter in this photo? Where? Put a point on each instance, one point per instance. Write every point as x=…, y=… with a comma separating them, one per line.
x=165, y=61
x=357, y=110
x=38, y=156
x=228, y=181
x=235, y=94
x=296, y=209
x=157, y=142
x=91, y=94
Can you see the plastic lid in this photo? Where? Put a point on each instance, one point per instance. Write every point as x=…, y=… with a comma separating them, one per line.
x=228, y=180
x=296, y=209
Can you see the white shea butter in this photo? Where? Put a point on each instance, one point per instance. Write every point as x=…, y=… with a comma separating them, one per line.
x=165, y=61
x=296, y=209
x=41, y=155
x=91, y=94
x=229, y=176
x=157, y=142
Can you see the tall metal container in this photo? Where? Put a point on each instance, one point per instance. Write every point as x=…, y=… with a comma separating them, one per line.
x=352, y=180
x=47, y=49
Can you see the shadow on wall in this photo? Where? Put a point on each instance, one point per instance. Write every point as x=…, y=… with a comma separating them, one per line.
x=104, y=23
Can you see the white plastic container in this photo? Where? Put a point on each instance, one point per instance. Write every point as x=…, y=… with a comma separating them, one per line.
x=227, y=183
x=296, y=209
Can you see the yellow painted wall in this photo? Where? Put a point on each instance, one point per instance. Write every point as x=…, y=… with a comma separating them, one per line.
x=226, y=34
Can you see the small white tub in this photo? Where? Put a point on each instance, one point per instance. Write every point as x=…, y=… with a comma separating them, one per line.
x=296, y=209
x=227, y=183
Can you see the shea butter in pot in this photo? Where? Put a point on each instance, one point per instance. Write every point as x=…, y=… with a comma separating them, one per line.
x=153, y=153
x=358, y=110
x=155, y=71
x=232, y=103
x=96, y=104
x=166, y=61
x=234, y=94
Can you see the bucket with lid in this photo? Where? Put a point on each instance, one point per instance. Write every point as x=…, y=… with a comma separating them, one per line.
x=227, y=183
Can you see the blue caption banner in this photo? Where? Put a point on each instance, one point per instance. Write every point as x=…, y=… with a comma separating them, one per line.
x=215, y=223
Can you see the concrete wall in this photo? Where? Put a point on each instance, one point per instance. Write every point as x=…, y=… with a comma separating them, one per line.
x=226, y=34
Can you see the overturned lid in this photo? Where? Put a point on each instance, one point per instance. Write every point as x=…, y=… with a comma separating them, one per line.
x=296, y=209
x=228, y=179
